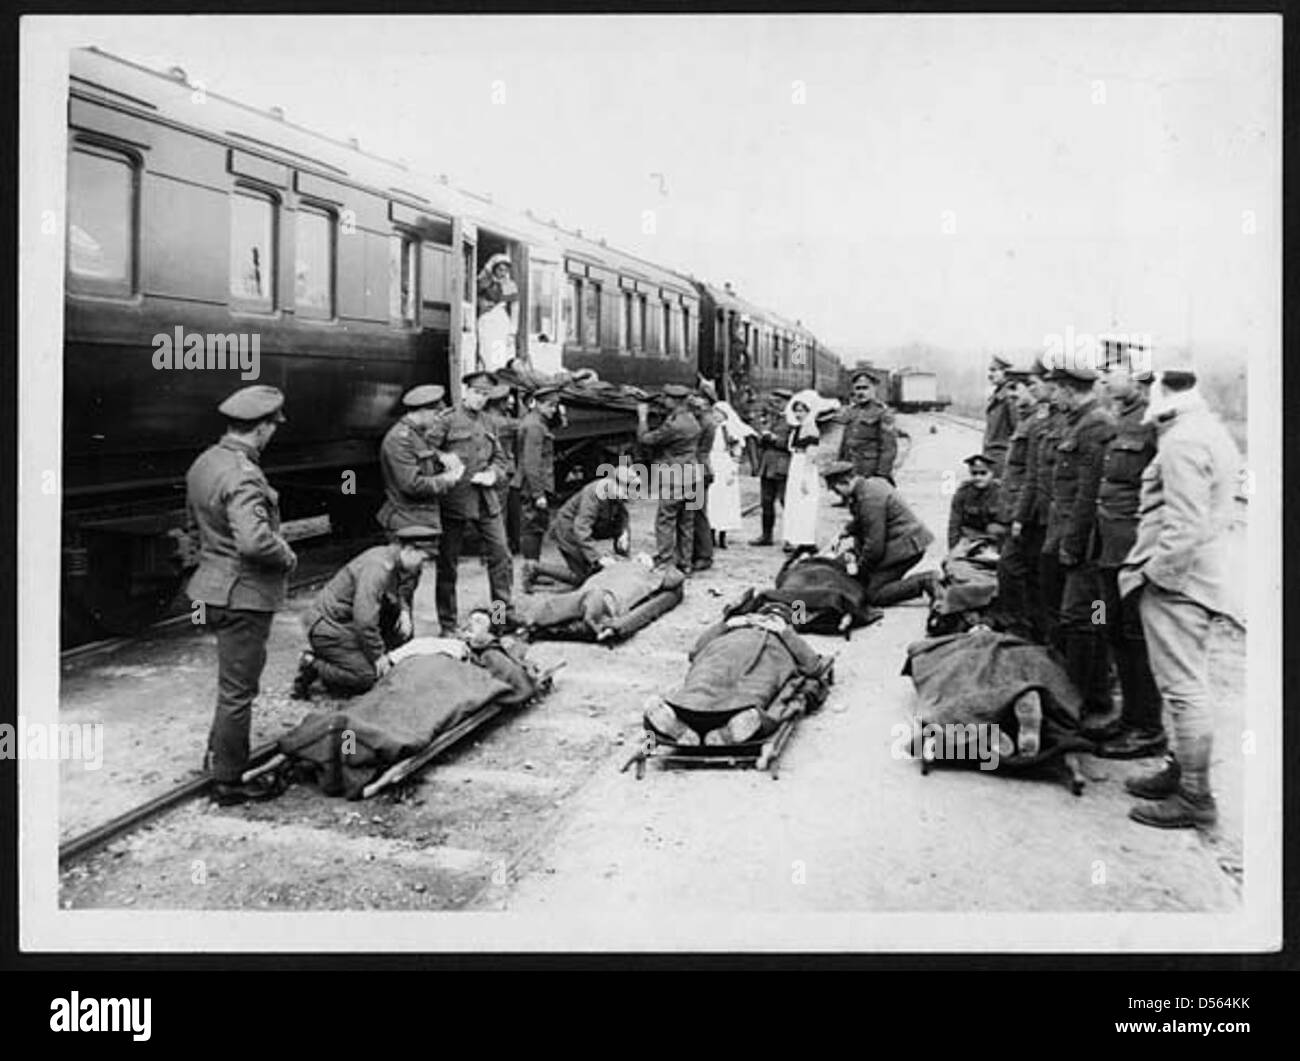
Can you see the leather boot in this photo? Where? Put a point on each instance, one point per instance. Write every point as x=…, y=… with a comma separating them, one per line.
x=1086, y=668
x=1162, y=783
x=302, y=681
x=1182, y=810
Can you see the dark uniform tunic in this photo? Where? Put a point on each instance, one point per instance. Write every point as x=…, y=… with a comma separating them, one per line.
x=353, y=620
x=870, y=440
x=534, y=478
x=584, y=519
x=975, y=513
x=999, y=423
x=674, y=448
x=411, y=491
x=1018, y=560
x=890, y=541
x=241, y=579
x=506, y=428
x=1032, y=511
x=1071, y=520
x=703, y=529
x=1127, y=456
x=773, y=467
x=470, y=437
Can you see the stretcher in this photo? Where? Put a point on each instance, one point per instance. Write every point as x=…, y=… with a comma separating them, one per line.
x=616, y=628
x=802, y=694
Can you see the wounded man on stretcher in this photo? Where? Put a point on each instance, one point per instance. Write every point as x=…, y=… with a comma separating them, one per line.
x=615, y=602
x=748, y=674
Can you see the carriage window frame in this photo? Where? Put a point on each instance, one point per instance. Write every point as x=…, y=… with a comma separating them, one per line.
x=408, y=247
x=591, y=321
x=271, y=304
x=571, y=310
x=301, y=310
x=127, y=286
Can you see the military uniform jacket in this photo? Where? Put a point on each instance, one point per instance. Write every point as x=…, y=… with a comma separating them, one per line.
x=471, y=438
x=535, y=473
x=506, y=428
x=408, y=465
x=885, y=529
x=1185, y=511
x=1040, y=460
x=1000, y=419
x=736, y=667
x=974, y=511
x=1127, y=456
x=1076, y=477
x=673, y=444
x=587, y=518
x=1015, y=470
x=243, y=559
x=774, y=452
x=704, y=444
x=870, y=442
x=356, y=595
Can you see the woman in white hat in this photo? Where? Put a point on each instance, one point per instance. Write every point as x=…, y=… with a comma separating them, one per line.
x=497, y=292
x=724, y=492
x=803, y=483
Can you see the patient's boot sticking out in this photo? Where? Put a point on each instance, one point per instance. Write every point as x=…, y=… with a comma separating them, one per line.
x=1029, y=722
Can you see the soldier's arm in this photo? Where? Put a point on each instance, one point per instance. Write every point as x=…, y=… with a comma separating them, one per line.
x=1083, y=509
x=373, y=582
x=710, y=634
x=667, y=432
x=497, y=460
x=956, y=516
x=250, y=525
x=404, y=456
x=1029, y=482
x=872, y=527
x=1186, y=478
x=888, y=443
x=584, y=526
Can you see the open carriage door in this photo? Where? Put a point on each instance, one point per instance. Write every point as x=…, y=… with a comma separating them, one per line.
x=464, y=316
x=540, y=310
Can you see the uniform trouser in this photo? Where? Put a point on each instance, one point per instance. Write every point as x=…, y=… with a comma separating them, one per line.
x=702, y=531
x=533, y=522
x=1018, y=577
x=1142, y=707
x=770, y=492
x=1083, y=636
x=241, y=655
x=1178, y=637
x=492, y=534
x=511, y=515
x=1051, y=583
x=675, y=531
x=340, y=661
x=579, y=566
x=886, y=584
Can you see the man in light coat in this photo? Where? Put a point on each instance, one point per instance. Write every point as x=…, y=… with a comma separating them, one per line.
x=1180, y=563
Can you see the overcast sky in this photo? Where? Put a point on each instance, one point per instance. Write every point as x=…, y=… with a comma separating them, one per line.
x=972, y=182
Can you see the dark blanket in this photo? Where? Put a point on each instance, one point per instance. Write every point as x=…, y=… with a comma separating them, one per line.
x=975, y=677
x=968, y=588
x=819, y=592
x=412, y=704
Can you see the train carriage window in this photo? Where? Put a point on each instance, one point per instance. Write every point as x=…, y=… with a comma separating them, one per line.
x=101, y=221
x=541, y=292
x=402, y=256
x=252, y=249
x=314, y=264
x=631, y=337
x=665, y=332
x=571, y=308
x=642, y=321
x=685, y=321
x=591, y=315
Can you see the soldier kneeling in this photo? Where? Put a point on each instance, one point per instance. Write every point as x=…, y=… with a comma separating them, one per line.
x=360, y=615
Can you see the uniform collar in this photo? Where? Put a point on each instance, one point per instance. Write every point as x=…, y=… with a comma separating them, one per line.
x=238, y=445
x=1136, y=404
x=1083, y=408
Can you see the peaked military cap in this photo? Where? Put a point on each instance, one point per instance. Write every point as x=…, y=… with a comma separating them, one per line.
x=499, y=391
x=869, y=374
x=254, y=403
x=998, y=361
x=835, y=469
x=546, y=390
x=423, y=396
x=675, y=390
x=978, y=458
x=416, y=534
x=479, y=380
x=1081, y=373
x=782, y=394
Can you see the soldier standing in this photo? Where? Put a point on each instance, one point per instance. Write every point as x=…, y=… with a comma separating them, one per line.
x=1030, y=526
x=702, y=529
x=870, y=440
x=353, y=623
x=535, y=474
x=242, y=576
x=1018, y=560
x=773, y=463
x=415, y=477
x=473, y=501
x=506, y=426
x=1139, y=731
x=673, y=447
x=1071, y=521
x=1000, y=415
x=1181, y=561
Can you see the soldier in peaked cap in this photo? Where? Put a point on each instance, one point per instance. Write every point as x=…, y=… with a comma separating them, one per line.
x=474, y=500
x=772, y=465
x=356, y=618
x=535, y=473
x=672, y=446
x=505, y=423
x=976, y=508
x=244, y=563
x=870, y=439
x=1000, y=416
